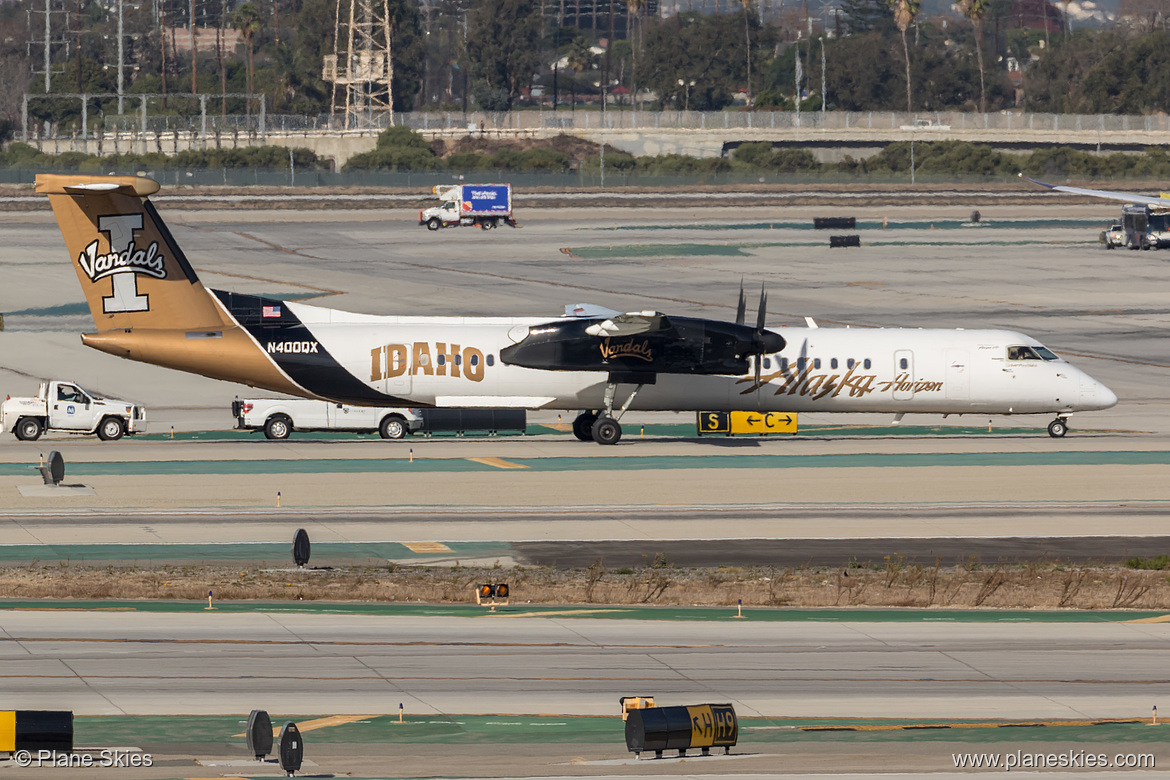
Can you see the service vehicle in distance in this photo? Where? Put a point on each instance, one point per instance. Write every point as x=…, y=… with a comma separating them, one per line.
x=1113, y=237
x=279, y=417
x=482, y=205
x=1145, y=226
x=65, y=407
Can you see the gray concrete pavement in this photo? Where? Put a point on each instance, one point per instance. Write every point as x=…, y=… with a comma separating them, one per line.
x=218, y=663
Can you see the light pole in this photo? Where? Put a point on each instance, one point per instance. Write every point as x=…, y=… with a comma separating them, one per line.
x=686, y=85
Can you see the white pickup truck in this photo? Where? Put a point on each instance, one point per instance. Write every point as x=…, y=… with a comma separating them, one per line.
x=66, y=407
x=278, y=417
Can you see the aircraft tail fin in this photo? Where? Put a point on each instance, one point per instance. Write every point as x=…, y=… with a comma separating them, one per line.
x=133, y=273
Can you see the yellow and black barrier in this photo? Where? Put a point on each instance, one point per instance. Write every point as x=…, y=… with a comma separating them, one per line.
x=738, y=423
x=35, y=730
x=701, y=726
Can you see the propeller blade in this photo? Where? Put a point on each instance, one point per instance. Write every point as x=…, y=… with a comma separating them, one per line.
x=741, y=309
x=763, y=312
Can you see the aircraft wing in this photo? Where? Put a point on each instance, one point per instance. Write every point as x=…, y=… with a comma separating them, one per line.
x=1125, y=197
x=630, y=324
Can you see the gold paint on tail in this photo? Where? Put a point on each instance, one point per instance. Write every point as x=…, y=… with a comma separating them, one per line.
x=145, y=298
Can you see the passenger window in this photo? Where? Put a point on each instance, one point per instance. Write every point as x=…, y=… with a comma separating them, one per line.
x=833, y=363
x=1022, y=353
x=458, y=360
x=767, y=362
x=867, y=364
x=441, y=359
x=475, y=360
x=850, y=363
x=816, y=362
x=800, y=364
x=491, y=360
x=903, y=364
x=783, y=364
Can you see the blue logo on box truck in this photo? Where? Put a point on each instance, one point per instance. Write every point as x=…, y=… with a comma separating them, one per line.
x=486, y=198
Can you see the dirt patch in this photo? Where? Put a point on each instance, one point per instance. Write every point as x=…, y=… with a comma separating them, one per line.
x=1033, y=586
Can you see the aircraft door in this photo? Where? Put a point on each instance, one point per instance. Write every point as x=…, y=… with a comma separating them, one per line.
x=958, y=375
x=70, y=409
x=903, y=375
x=393, y=363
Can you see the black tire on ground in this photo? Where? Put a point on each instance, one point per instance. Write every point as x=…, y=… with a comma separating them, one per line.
x=28, y=429
x=111, y=429
x=488, y=224
x=583, y=426
x=277, y=427
x=434, y=224
x=1057, y=428
x=607, y=430
x=392, y=427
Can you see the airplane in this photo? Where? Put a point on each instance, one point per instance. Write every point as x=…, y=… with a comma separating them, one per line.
x=1125, y=197
x=1145, y=220
x=149, y=305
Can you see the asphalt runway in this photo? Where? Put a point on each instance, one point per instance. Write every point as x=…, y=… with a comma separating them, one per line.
x=1037, y=269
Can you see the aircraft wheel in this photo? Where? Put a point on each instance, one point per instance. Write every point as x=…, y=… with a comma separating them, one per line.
x=433, y=223
x=607, y=430
x=583, y=426
x=277, y=427
x=1057, y=428
x=111, y=429
x=28, y=429
x=393, y=427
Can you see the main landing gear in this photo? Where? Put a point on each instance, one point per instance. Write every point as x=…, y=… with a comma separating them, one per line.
x=603, y=427
x=1058, y=427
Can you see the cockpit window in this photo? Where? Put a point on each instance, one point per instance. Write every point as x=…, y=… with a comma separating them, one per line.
x=1022, y=353
x=1046, y=353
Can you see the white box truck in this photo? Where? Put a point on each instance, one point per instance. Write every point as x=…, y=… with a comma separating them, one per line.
x=68, y=408
x=482, y=205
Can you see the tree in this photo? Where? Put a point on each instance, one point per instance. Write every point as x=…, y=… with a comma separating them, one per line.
x=975, y=10
x=246, y=19
x=502, y=49
x=709, y=52
x=633, y=13
x=904, y=13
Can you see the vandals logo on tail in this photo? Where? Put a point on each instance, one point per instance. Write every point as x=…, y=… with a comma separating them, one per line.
x=122, y=263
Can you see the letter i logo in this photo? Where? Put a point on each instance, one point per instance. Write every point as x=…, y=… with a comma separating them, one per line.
x=124, y=297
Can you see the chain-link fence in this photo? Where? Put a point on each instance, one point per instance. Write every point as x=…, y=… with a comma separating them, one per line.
x=57, y=116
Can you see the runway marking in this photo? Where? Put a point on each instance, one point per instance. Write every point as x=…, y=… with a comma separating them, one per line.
x=426, y=547
x=1018, y=724
x=561, y=613
x=499, y=463
x=1157, y=619
x=321, y=723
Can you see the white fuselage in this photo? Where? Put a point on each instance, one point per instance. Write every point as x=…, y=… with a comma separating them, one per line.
x=455, y=361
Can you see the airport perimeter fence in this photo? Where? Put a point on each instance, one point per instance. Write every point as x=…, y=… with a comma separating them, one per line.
x=522, y=183
x=203, y=121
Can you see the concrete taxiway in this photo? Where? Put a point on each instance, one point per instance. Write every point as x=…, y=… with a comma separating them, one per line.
x=1036, y=269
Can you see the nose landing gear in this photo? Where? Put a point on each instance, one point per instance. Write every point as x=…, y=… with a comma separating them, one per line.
x=1058, y=427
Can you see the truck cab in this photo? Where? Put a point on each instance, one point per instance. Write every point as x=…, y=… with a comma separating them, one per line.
x=67, y=407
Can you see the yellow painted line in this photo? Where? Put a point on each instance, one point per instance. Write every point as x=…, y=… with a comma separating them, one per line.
x=426, y=547
x=555, y=614
x=499, y=463
x=926, y=726
x=1158, y=619
x=320, y=723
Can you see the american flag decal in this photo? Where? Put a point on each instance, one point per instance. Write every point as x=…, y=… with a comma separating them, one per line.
x=270, y=311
